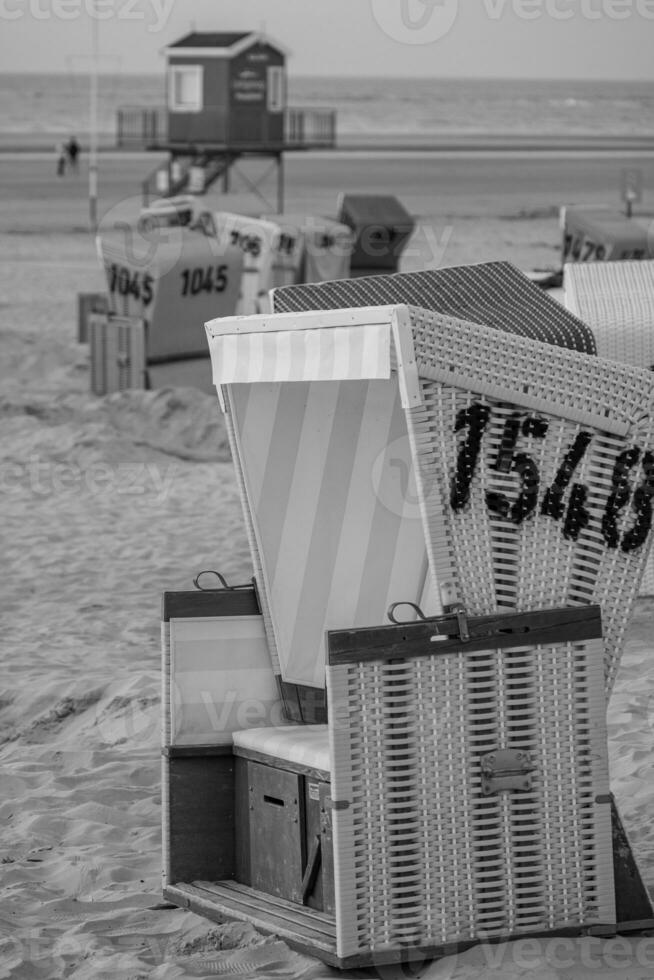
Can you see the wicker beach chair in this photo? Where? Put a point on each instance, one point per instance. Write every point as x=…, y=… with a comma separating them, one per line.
x=271, y=255
x=563, y=523
x=616, y=300
x=281, y=440
x=326, y=247
x=602, y=234
x=469, y=784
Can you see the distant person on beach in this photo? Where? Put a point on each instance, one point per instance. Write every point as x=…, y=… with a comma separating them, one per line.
x=72, y=152
x=60, y=150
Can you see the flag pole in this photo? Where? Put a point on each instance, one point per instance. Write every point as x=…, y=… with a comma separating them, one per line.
x=93, y=120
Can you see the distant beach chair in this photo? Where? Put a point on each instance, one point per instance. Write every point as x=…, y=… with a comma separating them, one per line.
x=453, y=801
x=172, y=282
x=616, y=300
x=601, y=234
x=327, y=247
x=381, y=226
x=271, y=255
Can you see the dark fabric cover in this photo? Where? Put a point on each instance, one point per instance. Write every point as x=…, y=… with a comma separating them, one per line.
x=494, y=294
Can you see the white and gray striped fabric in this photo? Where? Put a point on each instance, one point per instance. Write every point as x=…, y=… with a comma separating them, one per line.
x=327, y=469
x=292, y=355
x=220, y=679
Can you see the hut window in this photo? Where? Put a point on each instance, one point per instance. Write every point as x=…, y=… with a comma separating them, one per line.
x=275, y=88
x=185, y=88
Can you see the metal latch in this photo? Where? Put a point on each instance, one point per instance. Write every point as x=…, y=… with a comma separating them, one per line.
x=506, y=769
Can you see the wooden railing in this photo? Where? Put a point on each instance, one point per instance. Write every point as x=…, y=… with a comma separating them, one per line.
x=310, y=127
x=139, y=127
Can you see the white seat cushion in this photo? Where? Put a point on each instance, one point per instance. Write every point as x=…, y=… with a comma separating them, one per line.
x=303, y=745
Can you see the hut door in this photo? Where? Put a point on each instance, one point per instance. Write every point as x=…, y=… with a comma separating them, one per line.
x=276, y=93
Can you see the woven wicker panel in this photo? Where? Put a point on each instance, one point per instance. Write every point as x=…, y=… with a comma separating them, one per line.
x=494, y=293
x=422, y=857
x=616, y=300
x=542, y=438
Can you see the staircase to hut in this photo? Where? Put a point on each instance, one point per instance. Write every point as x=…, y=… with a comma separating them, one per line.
x=193, y=174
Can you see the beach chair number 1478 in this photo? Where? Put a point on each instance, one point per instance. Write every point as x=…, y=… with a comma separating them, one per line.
x=474, y=421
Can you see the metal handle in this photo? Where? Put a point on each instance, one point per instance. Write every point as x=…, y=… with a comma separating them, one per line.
x=403, y=622
x=458, y=612
x=221, y=578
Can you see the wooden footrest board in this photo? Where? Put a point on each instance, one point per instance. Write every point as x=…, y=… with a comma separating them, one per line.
x=303, y=929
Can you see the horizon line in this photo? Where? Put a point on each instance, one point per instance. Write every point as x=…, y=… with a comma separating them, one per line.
x=358, y=77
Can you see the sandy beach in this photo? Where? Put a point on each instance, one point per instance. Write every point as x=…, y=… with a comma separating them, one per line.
x=108, y=501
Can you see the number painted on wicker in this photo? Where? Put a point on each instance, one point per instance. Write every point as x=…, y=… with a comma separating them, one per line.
x=126, y=282
x=248, y=243
x=582, y=249
x=507, y=461
x=576, y=515
x=475, y=419
x=208, y=279
x=641, y=503
x=286, y=244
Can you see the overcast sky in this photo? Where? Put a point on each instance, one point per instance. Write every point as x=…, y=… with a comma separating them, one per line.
x=495, y=38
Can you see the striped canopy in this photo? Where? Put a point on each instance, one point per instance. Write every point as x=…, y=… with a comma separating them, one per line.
x=326, y=474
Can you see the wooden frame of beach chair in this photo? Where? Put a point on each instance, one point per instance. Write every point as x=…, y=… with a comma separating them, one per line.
x=216, y=679
x=616, y=300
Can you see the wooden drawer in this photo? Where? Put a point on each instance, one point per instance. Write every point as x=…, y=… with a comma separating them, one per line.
x=283, y=833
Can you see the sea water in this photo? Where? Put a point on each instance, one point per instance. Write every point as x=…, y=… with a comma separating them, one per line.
x=33, y=104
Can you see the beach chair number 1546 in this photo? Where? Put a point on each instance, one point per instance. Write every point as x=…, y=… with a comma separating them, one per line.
x=474, y=420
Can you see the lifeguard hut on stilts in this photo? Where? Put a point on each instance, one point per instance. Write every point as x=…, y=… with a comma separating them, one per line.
x=226, y=103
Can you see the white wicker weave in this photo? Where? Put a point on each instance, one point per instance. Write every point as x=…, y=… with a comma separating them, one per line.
x=616, y=300
x=422, y=856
